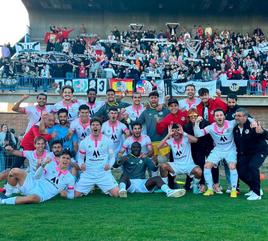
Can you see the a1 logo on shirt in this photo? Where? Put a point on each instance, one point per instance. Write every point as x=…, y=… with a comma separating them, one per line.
x=223, y=139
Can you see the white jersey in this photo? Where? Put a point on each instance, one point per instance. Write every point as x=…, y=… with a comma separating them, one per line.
x=134, y=114
x=185, y=104
x=97, y=153
x=181, y=150
x=222, y=136
x=82, y=130
x=144, y=140
x=115, y=132
x=32, y=157
x=72, y=108
x=34, y=114
x=93, y=108
x=51, y=181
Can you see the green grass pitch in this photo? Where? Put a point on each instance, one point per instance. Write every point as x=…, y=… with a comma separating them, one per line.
x=139, y=217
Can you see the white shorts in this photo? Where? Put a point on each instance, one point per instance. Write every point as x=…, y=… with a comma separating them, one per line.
x=138, y=185
x=44, y=190
x=104, y=180
x=182, y=168
x=28, y=185
x=216, y=156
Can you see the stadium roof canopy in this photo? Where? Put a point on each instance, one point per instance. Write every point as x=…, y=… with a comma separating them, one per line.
x=226, y=7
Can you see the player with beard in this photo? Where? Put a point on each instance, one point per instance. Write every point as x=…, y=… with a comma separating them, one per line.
x=92, y=103
x=137, y=136
x=56, y=148
x=68, y=102
x=180, y=145
x=134, y=111
x=96, y=157
x=62, y=130
x=200, y=151
x=115, y=130
x=34, y=112
x=111, y=102
x=221, y=132
x=191, y=101
x=27, y=141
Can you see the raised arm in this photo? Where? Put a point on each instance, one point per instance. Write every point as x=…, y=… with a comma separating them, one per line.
x=197, y=131
x=163, y=142
x=17, y=107
x=13, y=152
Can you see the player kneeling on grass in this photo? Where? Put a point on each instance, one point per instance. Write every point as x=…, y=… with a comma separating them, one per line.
x=179, y=143
x=95, y=159
x=133, y=177
x=49, y=180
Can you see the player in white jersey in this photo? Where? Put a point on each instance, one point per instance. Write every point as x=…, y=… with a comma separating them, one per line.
x=81, y=125
x=221, y=132
x=191, y=101
x=49, y=180
x=34, y=113
x=68, y=103
x=134, y=111
x=92, y=103
x=180, y=145
x=115, y=130
x=33, y=156
x=144, y=140
x=96, y=157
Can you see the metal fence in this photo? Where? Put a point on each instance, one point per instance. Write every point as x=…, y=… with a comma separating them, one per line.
x=34, y=84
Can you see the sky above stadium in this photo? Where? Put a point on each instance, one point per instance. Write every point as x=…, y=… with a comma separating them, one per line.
x=14, y=20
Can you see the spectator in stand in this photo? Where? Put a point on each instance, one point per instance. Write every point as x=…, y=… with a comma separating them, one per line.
x=6, y=54
x=264, y=81
x=110, y=73
x=6, y=139
x=206, y=75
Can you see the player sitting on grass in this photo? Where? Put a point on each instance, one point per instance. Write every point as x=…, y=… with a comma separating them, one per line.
x=49, y=180
x=133, y=177
x=179, y=143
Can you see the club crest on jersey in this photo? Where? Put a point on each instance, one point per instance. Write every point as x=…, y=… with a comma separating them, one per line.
x=182, y=118
x=246, y=131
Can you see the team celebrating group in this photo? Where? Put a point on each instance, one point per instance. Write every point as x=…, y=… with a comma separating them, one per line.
x=73, y=146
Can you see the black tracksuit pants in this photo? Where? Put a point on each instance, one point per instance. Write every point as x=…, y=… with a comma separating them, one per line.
x=248, y=170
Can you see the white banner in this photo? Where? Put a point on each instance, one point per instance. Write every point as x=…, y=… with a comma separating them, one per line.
x=82, y=85
x=27, y=47
x=179, y=88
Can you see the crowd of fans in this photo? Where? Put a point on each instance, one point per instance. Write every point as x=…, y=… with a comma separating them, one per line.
x=201, y=54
